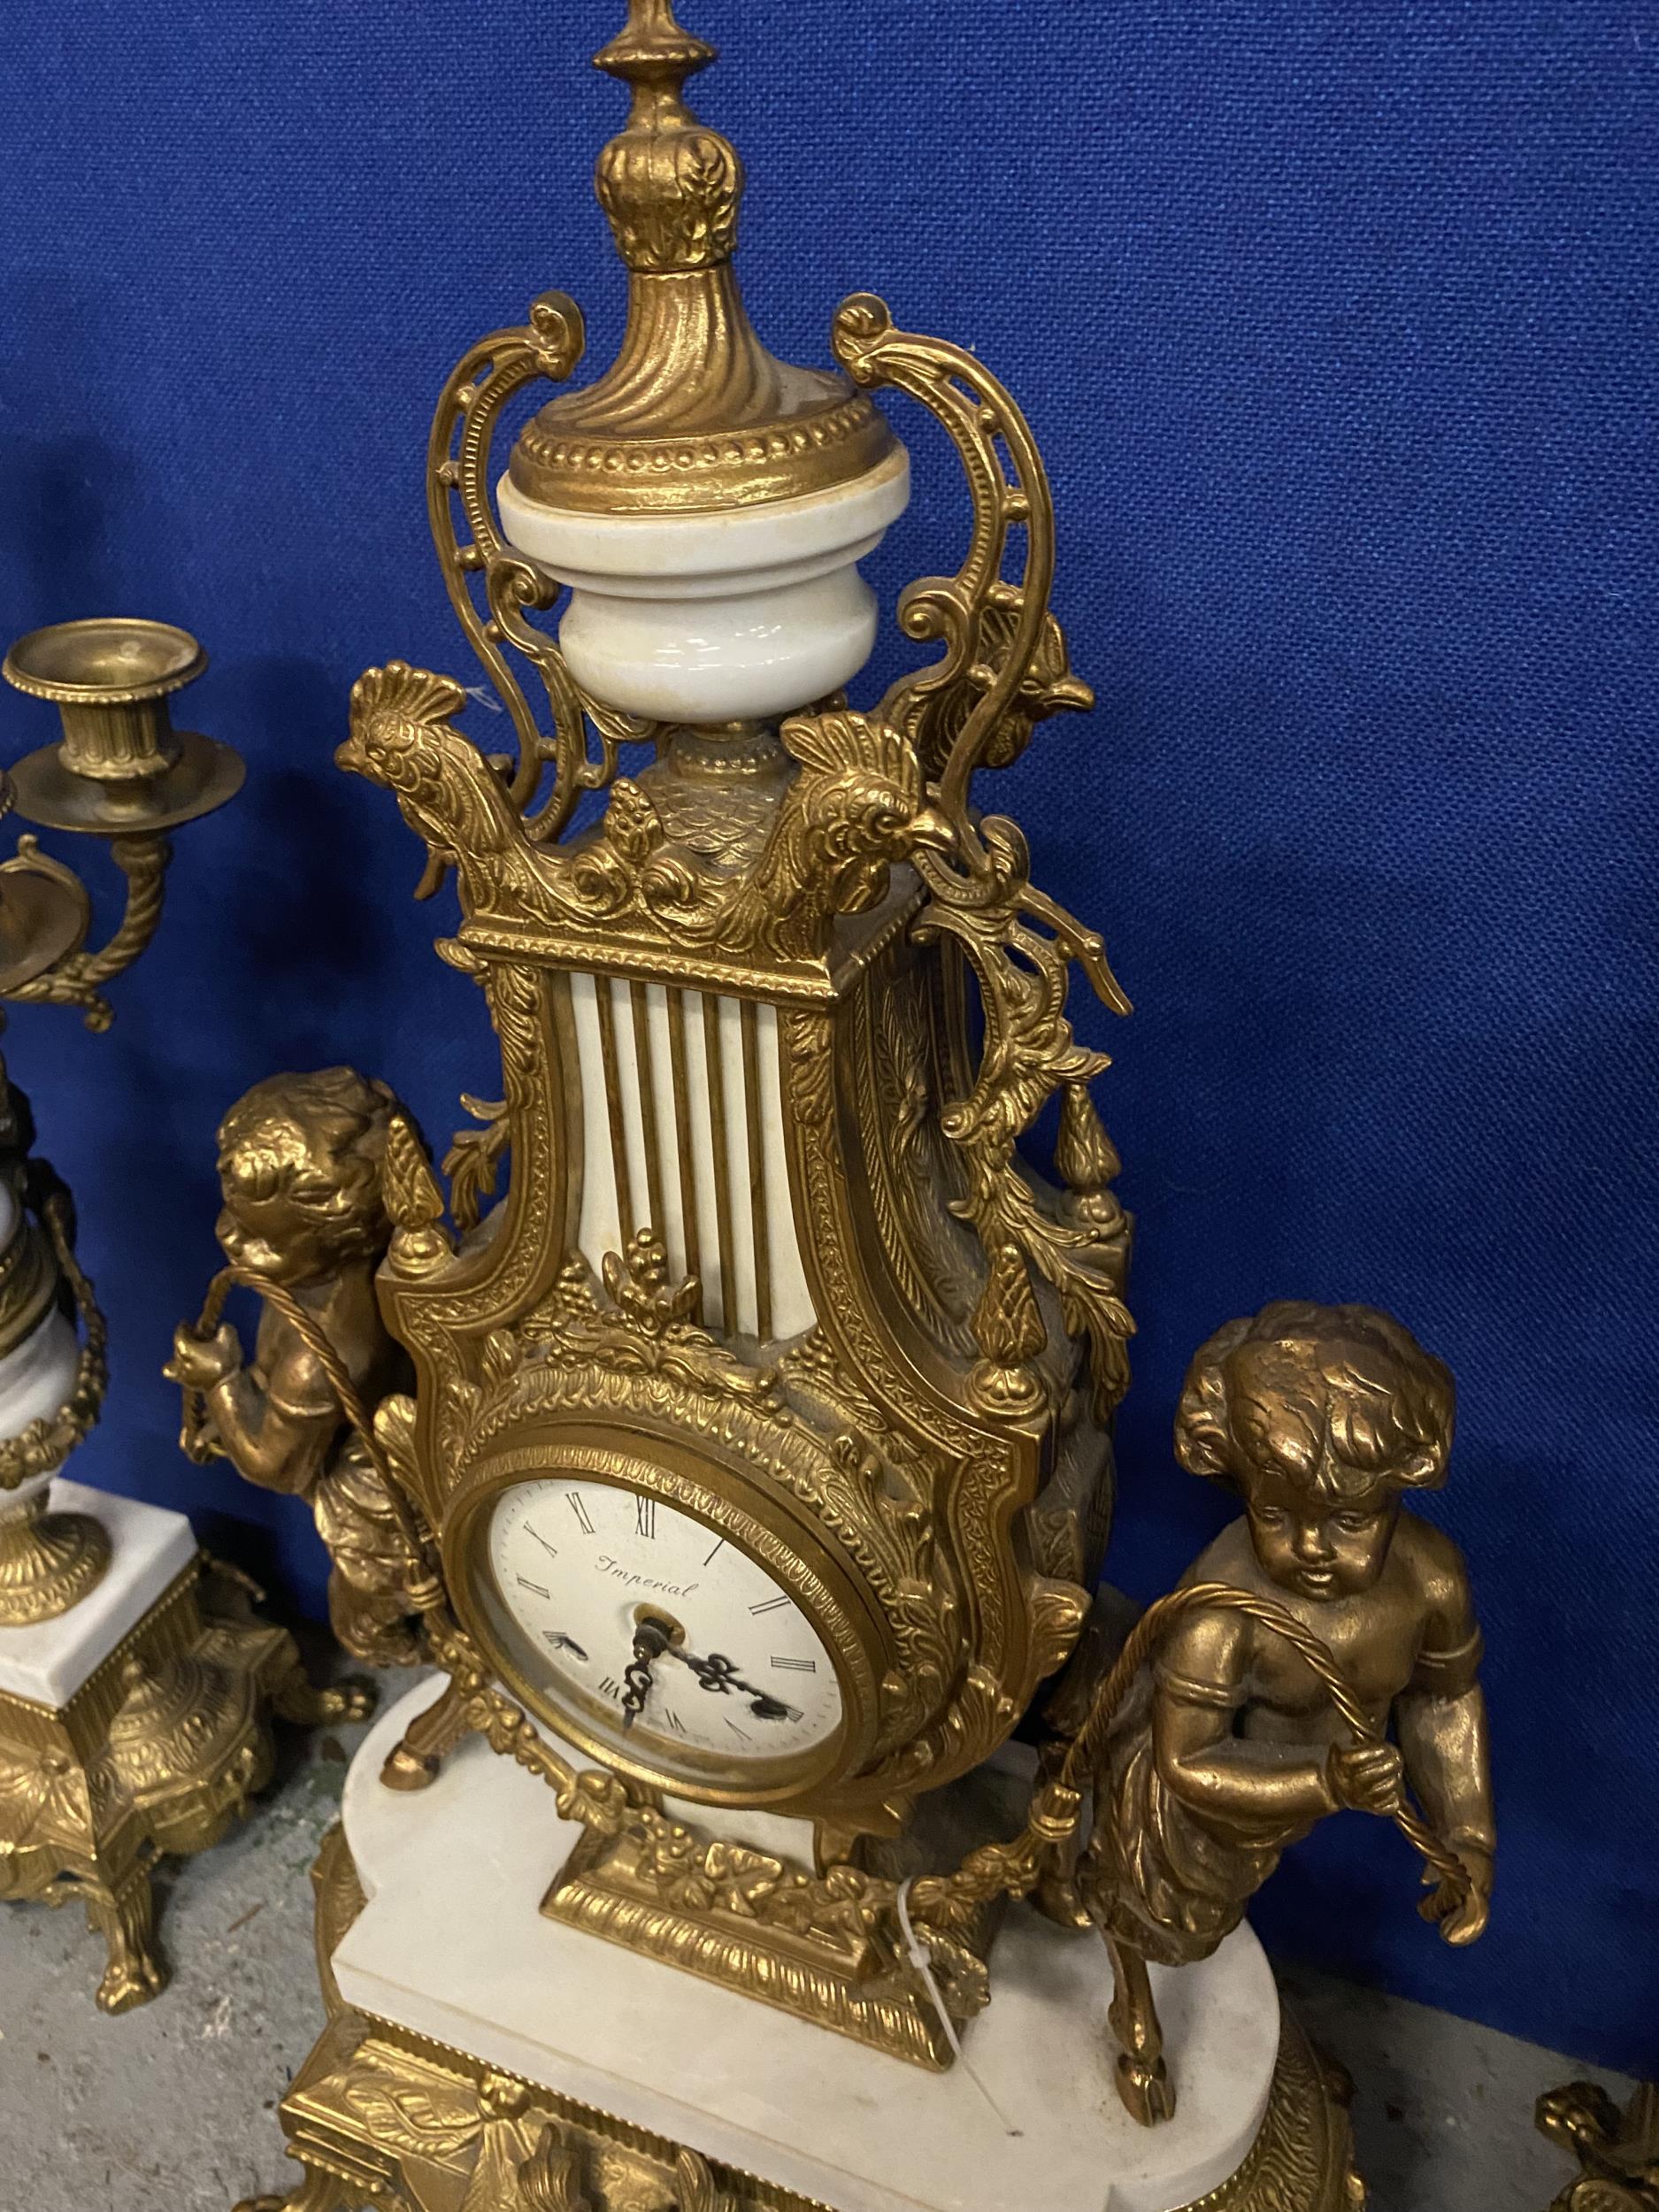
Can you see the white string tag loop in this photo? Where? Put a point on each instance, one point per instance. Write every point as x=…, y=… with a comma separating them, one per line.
x=916, y=1952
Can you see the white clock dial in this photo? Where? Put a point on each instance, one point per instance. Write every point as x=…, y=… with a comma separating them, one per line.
x=744, y=1678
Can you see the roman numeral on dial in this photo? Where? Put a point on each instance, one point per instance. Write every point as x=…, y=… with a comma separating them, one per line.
x=796, y=1666
x=610, y=1686
x=579, y=1507
x=645, y=1516
x=525, y=1583
x=769, y=1605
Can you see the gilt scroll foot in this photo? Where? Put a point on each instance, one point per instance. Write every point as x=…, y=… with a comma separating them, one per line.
x=317, y=2191
x=125, y=1916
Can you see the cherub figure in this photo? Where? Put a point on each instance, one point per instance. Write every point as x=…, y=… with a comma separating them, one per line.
x=300, y=1160
x=1228, y=1746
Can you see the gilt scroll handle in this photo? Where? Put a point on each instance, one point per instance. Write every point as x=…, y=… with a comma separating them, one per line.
x=1003, y=668
x=997, y=630
x=1004, y=665
x=470, y=544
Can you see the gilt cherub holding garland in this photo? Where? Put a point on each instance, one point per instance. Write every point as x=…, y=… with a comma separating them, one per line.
x=1227, y=1746
x=301, y=1166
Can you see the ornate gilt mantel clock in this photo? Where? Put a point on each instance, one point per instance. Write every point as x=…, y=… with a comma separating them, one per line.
x=756, y=1472
x=762, y=1430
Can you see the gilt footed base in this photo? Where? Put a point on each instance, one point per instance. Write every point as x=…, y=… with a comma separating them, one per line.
x=800, y=1944
x=152, y=1738
x=380, y=2116
x=472, y=2039
x=446, y=2119
x=49, y=1561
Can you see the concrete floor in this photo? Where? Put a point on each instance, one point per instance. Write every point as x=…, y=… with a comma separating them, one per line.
x=173, y=2108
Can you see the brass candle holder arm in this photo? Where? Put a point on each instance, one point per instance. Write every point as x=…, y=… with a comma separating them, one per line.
x=75, y=976
x=45, y=909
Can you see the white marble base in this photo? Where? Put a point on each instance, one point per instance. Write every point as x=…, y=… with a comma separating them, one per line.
x=451, y=1944
x=149, y=1546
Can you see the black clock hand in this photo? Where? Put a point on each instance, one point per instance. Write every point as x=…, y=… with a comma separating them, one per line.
x=718, y=1672
x=649, y=1642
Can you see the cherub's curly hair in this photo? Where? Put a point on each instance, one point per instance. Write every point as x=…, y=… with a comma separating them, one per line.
x=317, y=1141
x=1340, y=1398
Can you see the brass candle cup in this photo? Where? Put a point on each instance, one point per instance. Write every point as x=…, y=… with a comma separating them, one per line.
x=120, y=766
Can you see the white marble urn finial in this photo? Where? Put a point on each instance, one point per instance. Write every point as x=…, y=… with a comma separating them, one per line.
x=706, y=502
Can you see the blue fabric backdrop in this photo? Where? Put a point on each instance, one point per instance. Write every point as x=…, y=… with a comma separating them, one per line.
x=1335, y=321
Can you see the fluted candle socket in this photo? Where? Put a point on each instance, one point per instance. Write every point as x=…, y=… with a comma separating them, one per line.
x=120, y=766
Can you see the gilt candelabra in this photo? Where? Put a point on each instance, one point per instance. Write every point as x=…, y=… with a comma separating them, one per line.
x=121, y=772
x=134, y=1674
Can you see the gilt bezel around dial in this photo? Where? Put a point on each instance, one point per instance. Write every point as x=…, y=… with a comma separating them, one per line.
x=768, y=1529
